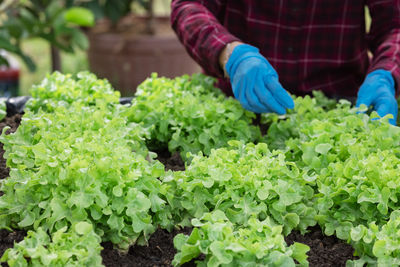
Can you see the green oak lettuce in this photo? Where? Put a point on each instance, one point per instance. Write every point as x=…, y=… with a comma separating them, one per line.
x=77, y=245
x=242, y=181
x=353, y=157
x=63, y=89
x=378, y=245
x=81, y=161
x=188, y=114
x=260, y=243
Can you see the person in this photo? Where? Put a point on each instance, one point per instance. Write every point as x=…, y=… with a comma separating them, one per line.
x=312, y=45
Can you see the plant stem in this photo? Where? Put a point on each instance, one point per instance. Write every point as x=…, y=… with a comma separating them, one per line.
x=55, y=59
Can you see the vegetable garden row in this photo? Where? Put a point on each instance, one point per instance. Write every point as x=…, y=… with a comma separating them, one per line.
x=82, y=172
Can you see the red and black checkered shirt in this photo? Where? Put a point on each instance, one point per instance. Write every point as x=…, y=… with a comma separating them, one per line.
x=313, y=44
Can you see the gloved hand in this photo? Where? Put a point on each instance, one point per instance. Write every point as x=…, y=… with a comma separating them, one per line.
x=378, y=90
x=255, y=82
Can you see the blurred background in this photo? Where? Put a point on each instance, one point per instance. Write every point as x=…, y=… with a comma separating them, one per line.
x=123, y=41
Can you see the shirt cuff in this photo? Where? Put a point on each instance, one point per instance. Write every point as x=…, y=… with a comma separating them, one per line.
x=218, y=44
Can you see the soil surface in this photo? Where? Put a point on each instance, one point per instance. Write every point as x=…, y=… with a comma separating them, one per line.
x=160, y=252
x=172, y=162
x=7, y=240
x=325, y=251
x=12, y=122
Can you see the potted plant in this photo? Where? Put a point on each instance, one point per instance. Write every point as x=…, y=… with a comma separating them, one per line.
x=126, y=47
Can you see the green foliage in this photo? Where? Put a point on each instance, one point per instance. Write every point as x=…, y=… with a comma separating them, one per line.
x=77, y=245
x=243, y=181
x=3, y=109
x=62, y=90
x=114, y=10
x=324, y=102
x=52, y=21
x=79, y=16
x=354, y=161
x=341, y=164
x=79, y=155
x=189, y=115
x=223, y=243
x=111, y=9
x=381, y=242
x=82, y=161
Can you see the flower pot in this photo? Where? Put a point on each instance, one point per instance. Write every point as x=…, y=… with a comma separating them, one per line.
x=127, y=57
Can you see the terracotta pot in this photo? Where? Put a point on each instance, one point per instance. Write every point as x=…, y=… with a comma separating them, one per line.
x=126, y=59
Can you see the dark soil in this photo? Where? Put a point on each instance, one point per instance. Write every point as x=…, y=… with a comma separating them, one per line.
x=160, y=252
x=263, y=127
x=172, y=162
x=325, y=251
x=7, y=240
x=13, y=122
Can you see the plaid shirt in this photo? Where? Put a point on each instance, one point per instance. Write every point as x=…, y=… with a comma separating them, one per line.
x=312, y=44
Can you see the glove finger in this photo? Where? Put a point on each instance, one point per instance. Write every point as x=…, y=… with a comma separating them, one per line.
x=255, y=104
x=278, y=92
x=240, y=89
x=269, y=101
x=252, y=97
x=252, y=109
x=385, y=106
x=363, y=97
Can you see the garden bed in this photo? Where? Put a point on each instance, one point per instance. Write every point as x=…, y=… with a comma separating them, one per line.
x=324, y=251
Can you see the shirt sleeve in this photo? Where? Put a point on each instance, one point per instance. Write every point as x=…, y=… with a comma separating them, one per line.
x=196, y=24
x=384, y=36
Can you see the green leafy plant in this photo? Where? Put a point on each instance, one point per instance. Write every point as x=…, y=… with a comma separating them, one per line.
x=379, y=244
x=81, y=161
x=52, y=21
x=188, y=114
x=81, y=158
x=62, y=90
x=354, y=160
x=242, y=181
x=223, y=243
x=77, y=245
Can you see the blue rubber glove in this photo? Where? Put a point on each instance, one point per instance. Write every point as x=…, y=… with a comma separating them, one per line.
x=378, y=90
x=255, y=82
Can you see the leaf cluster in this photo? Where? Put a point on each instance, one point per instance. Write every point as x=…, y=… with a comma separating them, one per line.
x=188, y=114
x=242, y=181
x=80, y=158
x=225, y=244
x=53, y=21
x=77, y=245
x=83, y=161
x=64, y=89
x=246, y=199
x=354, y=161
